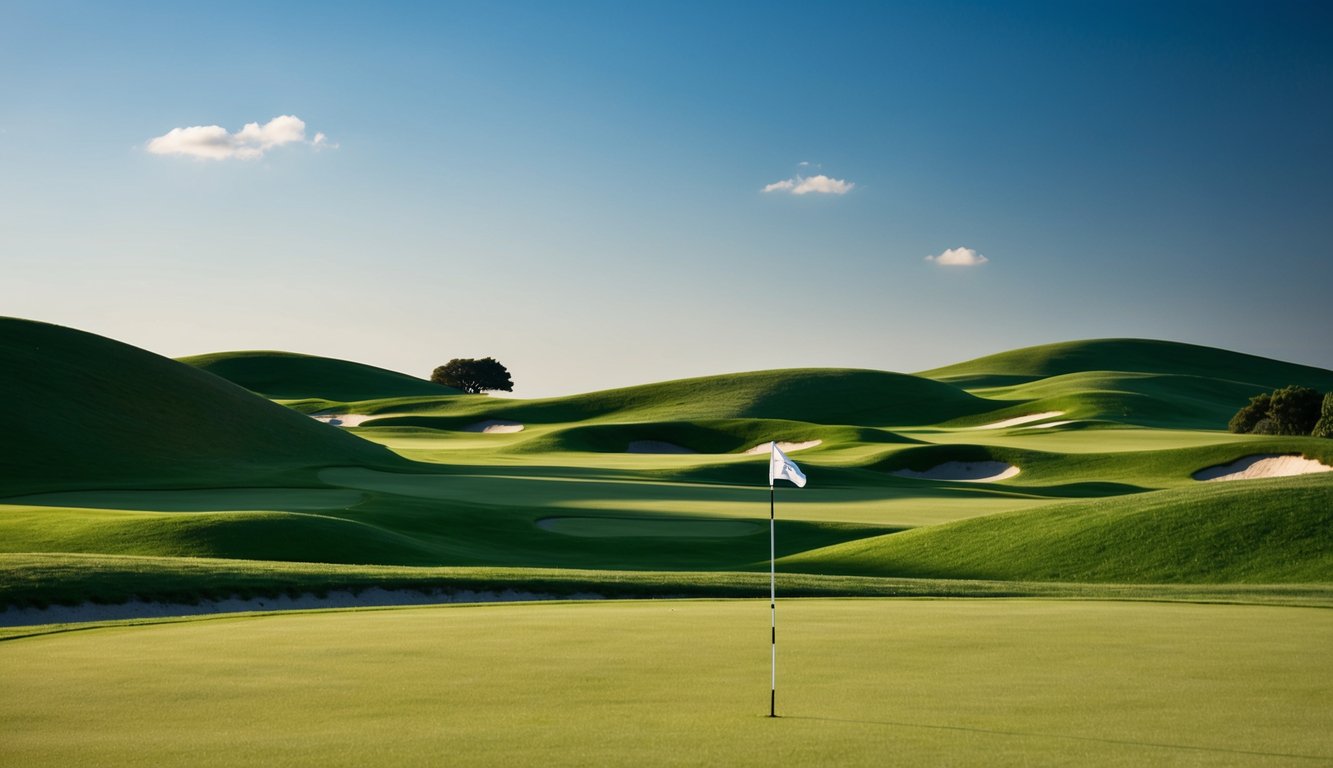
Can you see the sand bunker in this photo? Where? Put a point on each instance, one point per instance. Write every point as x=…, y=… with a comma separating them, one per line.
x=785, y=447
x=1050, y=424
x=494, y=426
x=346, y=419
x=1028, y=419
x=965, y=472
x=1262, y=465
x=655, y=446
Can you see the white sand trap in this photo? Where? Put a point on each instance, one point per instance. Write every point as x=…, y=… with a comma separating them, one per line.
x=965, y=472
x=494, y=426
x=1050, y=424
x=655, y=446
x=346, y=419
x=785, y=447
x=1262, y=465
x=1028, y=419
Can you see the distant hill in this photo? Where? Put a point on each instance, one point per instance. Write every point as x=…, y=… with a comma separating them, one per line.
x=1129, y=356
x=89, y=412
x=291, y=376
x=815, y=395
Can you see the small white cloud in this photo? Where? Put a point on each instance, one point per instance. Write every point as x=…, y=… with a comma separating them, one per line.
x=213, y=142
x=958, y=257
x=804, y=185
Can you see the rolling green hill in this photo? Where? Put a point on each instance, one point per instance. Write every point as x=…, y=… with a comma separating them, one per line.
x=814, y=395
x=291, y=376
x=89, y=412
x=1129, y=356
x=117, y=452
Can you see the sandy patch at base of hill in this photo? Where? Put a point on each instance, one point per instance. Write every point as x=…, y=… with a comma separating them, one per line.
x=1028, y=419
x=346, y=419
x=785, y=447
x=964, y=472
x=655, y=446
x=138, y=609
x=1262, y=465
x=494, y=426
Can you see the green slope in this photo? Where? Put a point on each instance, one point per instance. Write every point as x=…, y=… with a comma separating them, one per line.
x=815, y=395
x=1133, y=356
x=291, y=376
x=1257, y=531
x=89, y=412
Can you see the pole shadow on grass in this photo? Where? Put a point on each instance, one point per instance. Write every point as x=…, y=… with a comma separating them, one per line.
x=1071, y=737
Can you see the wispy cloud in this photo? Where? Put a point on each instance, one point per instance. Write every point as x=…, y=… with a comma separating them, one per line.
x=804, y=185
x=958, y=257
x=213, y=142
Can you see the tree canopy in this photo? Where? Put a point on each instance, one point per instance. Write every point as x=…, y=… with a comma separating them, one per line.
x=1293, y=410
x=474, y=376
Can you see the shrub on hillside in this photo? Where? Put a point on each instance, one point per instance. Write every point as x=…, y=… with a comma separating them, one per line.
x=1247, y=417
x=1294, y=410
x=1324, y=427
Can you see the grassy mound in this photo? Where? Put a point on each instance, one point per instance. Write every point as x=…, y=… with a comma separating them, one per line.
x=94, y=413
x=1262, y=531
x=815, y=395
x=1129, y=355
x=704, y=436
x=290, y=376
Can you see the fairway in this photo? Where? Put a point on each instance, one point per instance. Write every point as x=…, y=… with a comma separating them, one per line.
x=861, y=682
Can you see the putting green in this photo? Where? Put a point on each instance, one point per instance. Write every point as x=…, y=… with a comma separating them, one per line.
x=861, y=682
x=624, y=527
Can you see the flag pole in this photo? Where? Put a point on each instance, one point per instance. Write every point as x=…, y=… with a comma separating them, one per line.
x=772, y=604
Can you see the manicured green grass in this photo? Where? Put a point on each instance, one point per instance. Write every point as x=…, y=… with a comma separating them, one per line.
x=1257, y=531
x=1128, y=355
x=153, y=458
x=290, y=376
x=39, y=580
x=873, y=683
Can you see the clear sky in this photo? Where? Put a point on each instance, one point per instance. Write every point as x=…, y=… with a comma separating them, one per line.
x=577, y=189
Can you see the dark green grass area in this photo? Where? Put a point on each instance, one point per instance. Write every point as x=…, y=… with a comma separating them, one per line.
x=90, y=412
x=398, y=530
x=291, y=376
x=1128, y=355
x=40, y=580
x=1259, y=531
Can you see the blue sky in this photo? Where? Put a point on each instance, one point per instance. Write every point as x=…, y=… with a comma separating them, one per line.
x=575, y=189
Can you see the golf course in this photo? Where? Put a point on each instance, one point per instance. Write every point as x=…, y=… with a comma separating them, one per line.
x=1051, y=555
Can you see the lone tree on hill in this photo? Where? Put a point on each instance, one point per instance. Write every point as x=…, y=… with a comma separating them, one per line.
x=473, y=376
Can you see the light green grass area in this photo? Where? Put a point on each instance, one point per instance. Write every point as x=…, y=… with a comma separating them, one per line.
x=868, y=682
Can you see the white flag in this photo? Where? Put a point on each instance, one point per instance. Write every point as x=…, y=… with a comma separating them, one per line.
x=779, y=466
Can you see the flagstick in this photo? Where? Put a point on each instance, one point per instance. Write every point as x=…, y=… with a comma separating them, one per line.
x=773, y=603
